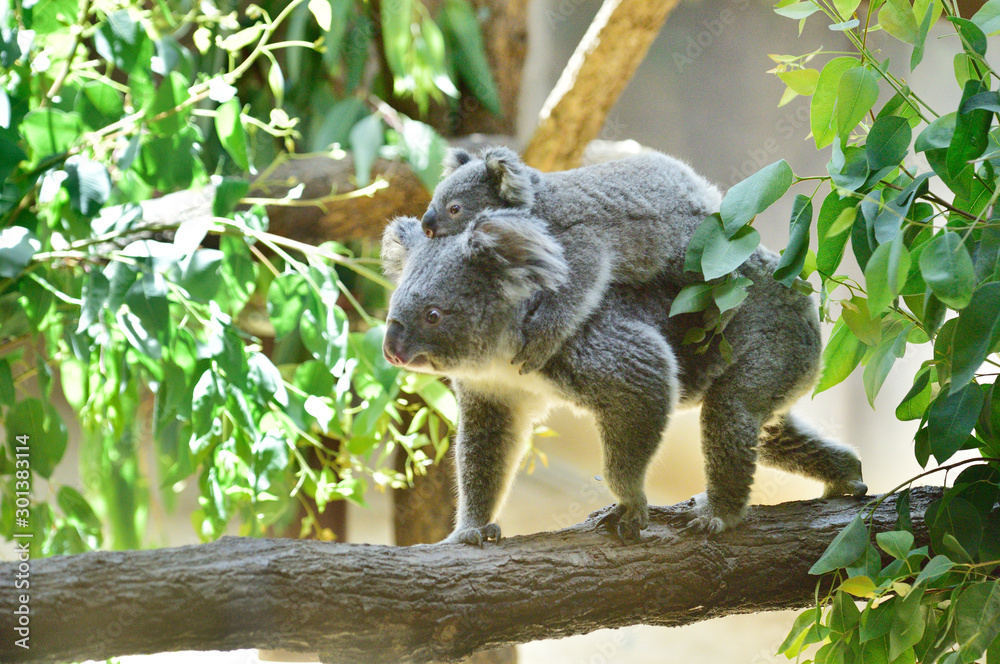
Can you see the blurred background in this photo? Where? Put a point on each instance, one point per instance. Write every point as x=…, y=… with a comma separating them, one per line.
x=702, y=94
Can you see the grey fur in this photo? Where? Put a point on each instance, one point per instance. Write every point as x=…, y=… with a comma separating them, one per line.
x=453, y=315
x=622, y=221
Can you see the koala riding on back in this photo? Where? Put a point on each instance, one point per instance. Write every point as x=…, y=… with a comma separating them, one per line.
x=622, y=221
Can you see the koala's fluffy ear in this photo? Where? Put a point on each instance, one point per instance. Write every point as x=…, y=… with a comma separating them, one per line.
x=526, y=256
x=453, y=159
x=510, y=175
x=401, y=235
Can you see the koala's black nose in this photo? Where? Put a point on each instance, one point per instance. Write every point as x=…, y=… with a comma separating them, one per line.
x=392, y=344
x=429, y=222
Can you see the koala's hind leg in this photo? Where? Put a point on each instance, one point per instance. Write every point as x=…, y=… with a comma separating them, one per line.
x=625, y=373
x=790, y=444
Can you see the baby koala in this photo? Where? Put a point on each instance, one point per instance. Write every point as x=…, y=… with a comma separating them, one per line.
x=624, y=222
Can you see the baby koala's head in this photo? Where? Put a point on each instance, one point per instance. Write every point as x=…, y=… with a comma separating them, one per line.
x=497, y=178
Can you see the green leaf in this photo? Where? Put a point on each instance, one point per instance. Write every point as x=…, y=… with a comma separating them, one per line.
x=971, y=132
x=848, y=167
x=228, y=193
x=857, y=92
x=931, y=15
x=885, y=274
x=88, y=184
x=50, y=131
x=896, y=18
x=891, y=348
x=844, y=616
x=836, y=215
x=801, y=81
x=977, y=619
x=229, y=128
x=748, y=198
x=821, y=109
x=460, y=26
x=888, y=142
x=951, y=417
x=287, y=298
x=239, y=40
x=691, y=298
x=123, y=41
x=794, y=258
x=17, y=246
x=98, y=104
x=77, y=509
x=796, y=9
x=988, y=17
x=723, y=255
x=976, y=334
x=730, y=293
x=440, y=399
x=397, y=38
x=696, y=246
x=973, y=39
x=365, y=138
x=323, y=13
x=948, y=270
x=11, y=155
x=908, y=624
x=865, y=327
x=915, y=403
x=937, y=135
x=201, y=274
x=896, y=543
x=845, y=548
x=173, y=92
x=935, y=568
x=337, y=123
x=846, y=8
x=45, y=430
x=841, y=356
x=425, y=150
x=876, y=621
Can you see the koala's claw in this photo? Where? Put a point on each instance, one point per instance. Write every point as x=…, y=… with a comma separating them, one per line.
x=474, y=536
x=855, y=488
x=624, y=522
x=531, y=357
x=702, y=519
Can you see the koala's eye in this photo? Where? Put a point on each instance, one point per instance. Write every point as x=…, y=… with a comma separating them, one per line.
x=433, y=316
x=454, y=209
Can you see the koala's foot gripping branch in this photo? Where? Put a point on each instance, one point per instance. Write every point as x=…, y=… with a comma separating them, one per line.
x=365, y=603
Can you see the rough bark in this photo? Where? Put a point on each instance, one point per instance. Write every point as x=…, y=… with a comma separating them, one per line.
x=366, y=603
x=597, y=73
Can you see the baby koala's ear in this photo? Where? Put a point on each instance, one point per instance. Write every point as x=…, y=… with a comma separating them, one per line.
x=454, y=158
x=400, y=236
x=520, y=250
x=510, y=176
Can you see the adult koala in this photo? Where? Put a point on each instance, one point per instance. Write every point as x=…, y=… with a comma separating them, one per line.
x=456, y=313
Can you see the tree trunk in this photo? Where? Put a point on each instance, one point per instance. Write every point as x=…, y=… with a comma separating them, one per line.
x=366, y=603
x=592, y=81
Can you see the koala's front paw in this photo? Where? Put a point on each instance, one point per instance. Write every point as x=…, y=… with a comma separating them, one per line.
x=855, y=488
x=625, y=521
x=533, y=355
x=474, y=536
x=701, y=518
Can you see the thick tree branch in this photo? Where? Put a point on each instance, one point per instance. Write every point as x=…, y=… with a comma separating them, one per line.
x=594, y=78
x=365, y=603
